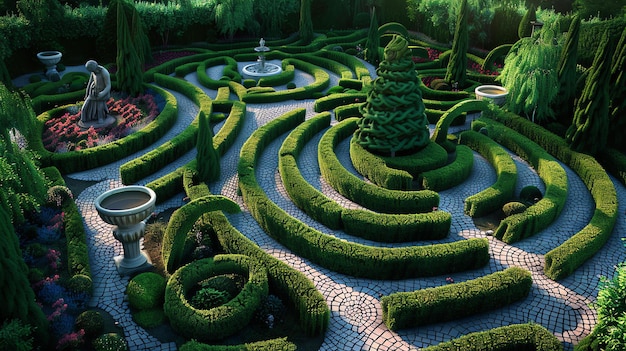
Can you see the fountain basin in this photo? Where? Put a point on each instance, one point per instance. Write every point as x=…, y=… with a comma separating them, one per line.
x=256, y=71
x=495, y=93
x=127, y=208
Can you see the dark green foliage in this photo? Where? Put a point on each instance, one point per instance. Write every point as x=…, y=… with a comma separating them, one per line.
x=306, y=24
x=149, y=318
x=16, y=335
x=617, y=111
x=564, y=101
x=146, y=291
x=44, y=17
x=525, y=28
x=601, y=9
x=590, y=127
x=110, y=342
x=207, y=158
x=393, y=116
x=514, y=207
x=374, y=168
x=91, y=322
x=372, y=46
x=130, y=53
x=454, y=301
x=452, y=174
x=530, y=194
x=273, y=306
x=457, y=66
x=281, y=344
x=503, y=28
x=207, y=298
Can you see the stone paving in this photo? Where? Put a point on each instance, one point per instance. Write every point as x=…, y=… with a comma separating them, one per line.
x=356, y=318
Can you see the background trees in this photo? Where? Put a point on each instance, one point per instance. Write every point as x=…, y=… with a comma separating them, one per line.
x=456, y=72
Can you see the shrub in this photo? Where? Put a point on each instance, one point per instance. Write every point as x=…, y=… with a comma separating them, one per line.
x=513, y=207
x=207, y=298
x=16, y=335
x=530, y=194
x=272, y=306
x=80, y=283
x=145, y=291
x=91, y=322
x=110, y=342
x=149, y=318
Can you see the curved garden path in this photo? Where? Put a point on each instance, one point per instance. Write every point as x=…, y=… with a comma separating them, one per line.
x=356, y=318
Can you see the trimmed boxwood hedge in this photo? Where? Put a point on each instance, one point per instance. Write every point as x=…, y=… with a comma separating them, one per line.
x=376, y=170
x=541, y=214
x=451, y=174
x=440, y=135
x=454, y=301
x=566, y=258
x=357, y=190
x=529, y=336
x=222, y=321
x=281, y=344
x=335, y=254
x=494, y=197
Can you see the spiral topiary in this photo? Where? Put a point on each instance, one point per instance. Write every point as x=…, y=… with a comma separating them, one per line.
x=394, y=117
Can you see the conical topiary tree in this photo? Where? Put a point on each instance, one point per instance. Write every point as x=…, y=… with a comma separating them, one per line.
x=617, y=112
x=525, y=27
x=372, y=45
x=207, y=158
x=129, y=74
x=393, y=115
x=306, y=23
x=564, y=101
x=590, y=128
x=456, y=72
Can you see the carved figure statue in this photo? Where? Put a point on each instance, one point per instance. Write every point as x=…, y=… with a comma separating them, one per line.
x=97, y=94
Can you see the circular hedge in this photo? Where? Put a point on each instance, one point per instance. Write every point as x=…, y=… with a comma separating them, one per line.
x=222, y=321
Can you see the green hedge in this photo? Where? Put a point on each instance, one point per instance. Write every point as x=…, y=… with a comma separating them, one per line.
x=454, y=301
x=281, y=344
x=358, y=67
x=541, y=214
x=451, y=174
x=440, y=136
x=366, y=194
x=335, y=254
x=222, y=321
x=287, y=75
x=511, y=337
x=496, y=53
x=332, y=101
x=566, y=258
x=182, y=221
x=502, y=191
x=76, y=161
x=376, y=170
x=333, y=66
x=347, y=111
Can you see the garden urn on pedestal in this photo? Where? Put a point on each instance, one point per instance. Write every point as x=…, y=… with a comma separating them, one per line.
x=127, y=208
x=50, y=60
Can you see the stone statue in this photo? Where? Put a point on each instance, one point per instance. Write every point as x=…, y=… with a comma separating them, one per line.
x=97, y=94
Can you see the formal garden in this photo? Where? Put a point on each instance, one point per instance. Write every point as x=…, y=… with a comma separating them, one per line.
x=313, y=175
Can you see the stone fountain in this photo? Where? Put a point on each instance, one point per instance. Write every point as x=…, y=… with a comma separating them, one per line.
x=127, y=208
x=50, y=60
x=261, y=68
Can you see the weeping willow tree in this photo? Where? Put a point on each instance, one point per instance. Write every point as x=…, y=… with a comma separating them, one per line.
x=456, y=72
x=590, y=128
x=372, y=45
x=564, y=101
x=394, y=118
x=306, y=23
x=207, y=158
x=618, y=96
x=233, y=15
x=530, y=75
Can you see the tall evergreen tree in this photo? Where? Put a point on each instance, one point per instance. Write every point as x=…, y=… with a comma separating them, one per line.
x=207, y=158
x=129, y=73
x=564, y=101
x=456, y=72
x=394, y=118
x=590, y=128
x=306, y=23
x=373, y=41
x=617, y=112
x=525, y=28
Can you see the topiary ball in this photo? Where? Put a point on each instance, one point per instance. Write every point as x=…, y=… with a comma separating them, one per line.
x=514, y=207
x=110, y=342
x=146, y=290
x=91, y=322
x=149, y=318
x=530, y=194
x=80, y=283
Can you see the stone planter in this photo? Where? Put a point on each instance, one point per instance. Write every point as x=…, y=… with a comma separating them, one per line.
x=50, y=60
x=495, y=93
x=127, y=208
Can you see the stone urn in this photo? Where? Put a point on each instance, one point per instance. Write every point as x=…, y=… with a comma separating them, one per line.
x=127, y=208
x=50, y=60
x=495, y=93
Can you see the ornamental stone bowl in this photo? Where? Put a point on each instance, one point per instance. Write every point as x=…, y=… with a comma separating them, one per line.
x=495, y=93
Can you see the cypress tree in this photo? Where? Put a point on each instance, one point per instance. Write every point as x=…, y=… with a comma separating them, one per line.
x=373, y=41
x=394, y=117
x=129, y=74
x=590, y=127
x=617, y=110
x=564, y=101
x=306, y=23
x=207, y=158
x=457, y=66
x=525, y=28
